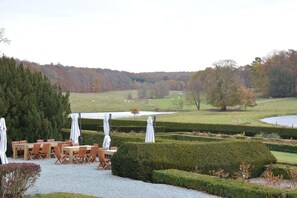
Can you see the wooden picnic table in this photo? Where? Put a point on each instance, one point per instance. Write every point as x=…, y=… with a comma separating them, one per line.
x=74, y=149
x=27, y=146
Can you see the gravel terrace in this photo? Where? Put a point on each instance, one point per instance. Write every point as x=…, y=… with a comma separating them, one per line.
x=85, y=179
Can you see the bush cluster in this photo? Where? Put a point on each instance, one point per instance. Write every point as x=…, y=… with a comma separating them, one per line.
x=138, y=160
x=16, y=178
x=218, y=186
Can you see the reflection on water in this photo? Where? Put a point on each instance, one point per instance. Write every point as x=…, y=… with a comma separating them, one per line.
x=124, y=114
x=290, y=120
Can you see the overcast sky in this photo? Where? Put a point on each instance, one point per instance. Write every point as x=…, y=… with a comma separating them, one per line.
x=147, y=35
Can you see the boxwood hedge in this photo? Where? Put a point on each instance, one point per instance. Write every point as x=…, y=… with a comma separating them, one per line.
x=218, y=186
x=138, y=160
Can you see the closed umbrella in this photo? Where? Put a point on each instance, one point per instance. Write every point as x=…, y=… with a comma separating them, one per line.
x=74, y=132
x=3, y=141
x=150, y=134
x=107, y=140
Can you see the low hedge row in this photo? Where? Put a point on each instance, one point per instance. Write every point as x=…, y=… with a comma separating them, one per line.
x=128, y=129
x=138, y=160
x=219, y=186
x=282, y=147
x=117, y=139
x=190, y=138
x=93, y=124
x=277, y=146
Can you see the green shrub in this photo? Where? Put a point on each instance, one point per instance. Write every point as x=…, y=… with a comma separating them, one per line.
x=282, y=147
x=218, y=186
x=282, y=172
x=190, y=138
x=16, y=178
x=138, y=160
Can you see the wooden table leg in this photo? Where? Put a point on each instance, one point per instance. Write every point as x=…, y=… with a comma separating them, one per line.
x=49, y=153
x=26, y=154
x=71, y=156
x=15, y=152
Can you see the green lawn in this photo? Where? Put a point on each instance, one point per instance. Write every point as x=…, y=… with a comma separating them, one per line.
x=117, y=101
x=283, y=157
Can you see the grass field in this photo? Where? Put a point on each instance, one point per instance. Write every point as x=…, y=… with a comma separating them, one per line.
x=117, y=101
x=284, y=157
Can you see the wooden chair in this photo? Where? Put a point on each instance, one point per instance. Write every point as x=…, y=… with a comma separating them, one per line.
x=61, y=157
x=81, y=156
x=59, y=145
x=68, y=141
x=34, y=152
x=103, y=162
x=92, y=156
x=39, y=141
x=44, y=151
x=50, y=140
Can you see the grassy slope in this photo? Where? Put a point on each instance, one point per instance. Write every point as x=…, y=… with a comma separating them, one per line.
x=117, y=101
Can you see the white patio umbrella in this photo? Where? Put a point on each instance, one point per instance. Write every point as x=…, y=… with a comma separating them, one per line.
x=74, y=132
x=107, y=140
x=150, y=134
x=3, y=141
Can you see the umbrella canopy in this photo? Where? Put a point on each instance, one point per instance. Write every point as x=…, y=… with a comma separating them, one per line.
x=3, y=141
x=107, y=140
x=74, y=132
x=150, y=134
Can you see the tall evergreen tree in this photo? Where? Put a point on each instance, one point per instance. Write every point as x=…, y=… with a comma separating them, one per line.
x=33, y=108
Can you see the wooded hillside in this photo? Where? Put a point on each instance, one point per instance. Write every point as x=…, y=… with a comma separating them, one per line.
x=74, y=79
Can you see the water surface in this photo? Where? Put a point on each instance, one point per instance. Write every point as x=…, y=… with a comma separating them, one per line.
x=290, y=120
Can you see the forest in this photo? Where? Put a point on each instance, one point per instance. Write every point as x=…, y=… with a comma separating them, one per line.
x=91, y=80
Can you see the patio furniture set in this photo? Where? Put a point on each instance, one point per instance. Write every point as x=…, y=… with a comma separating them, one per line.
x=64, y=152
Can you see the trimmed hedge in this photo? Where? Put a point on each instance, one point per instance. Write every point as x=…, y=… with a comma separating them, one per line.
x=128, y=129
x=282, y=147
x=218, y=186
x=190, y=138
x=117, y=139
x=138, y=160
x=284, y=132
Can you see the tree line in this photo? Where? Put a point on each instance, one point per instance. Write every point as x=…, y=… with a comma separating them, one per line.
x=92, y=80
x=227, y=85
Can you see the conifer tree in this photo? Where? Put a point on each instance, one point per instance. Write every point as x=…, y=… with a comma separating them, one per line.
x=32, y=106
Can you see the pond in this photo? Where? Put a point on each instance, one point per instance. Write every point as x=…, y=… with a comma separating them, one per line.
x=124, y=114
x=290, y=120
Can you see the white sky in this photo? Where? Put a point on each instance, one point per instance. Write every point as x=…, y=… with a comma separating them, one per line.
x=147, y=35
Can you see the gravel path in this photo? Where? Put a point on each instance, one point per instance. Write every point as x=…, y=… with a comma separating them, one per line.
x=85, y=179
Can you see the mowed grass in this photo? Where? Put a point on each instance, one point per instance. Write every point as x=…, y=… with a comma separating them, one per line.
x=284, y=157
x=118, y=101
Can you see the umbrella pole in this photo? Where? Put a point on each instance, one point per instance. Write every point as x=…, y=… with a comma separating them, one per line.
x=154, y=124
x=109, y=122
x=79, y=114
